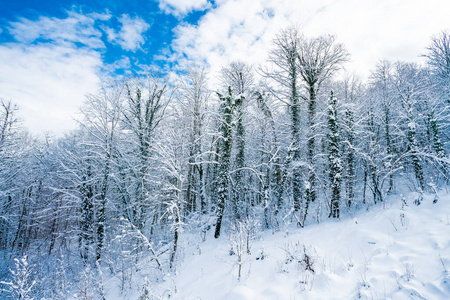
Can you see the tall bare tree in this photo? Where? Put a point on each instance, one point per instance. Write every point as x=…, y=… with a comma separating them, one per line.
x=318, y=59
x=144, y=109
x=194, y=96
x=239, y=77
x=101, y=114
x=286, y=75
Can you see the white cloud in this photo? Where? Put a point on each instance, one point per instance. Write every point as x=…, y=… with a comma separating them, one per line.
x=371, y=30
x=51, y=68
x=183, y=7
x=49, y=83
x=130, y=37
x=117, y=70
x=76, y=28
x=56, y=62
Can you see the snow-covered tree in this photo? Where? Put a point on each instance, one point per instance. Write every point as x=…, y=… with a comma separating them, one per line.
x=225, y=143
x=101, y=114
x=439, y=60
x=318, y=59
x=22, y=281
x=334, y=157
x=193, y=97
x=239, y=77
x=144, y=109
x=286, y=76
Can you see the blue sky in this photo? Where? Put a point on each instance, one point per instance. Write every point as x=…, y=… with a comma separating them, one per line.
x=157, y=24
x=54, y=53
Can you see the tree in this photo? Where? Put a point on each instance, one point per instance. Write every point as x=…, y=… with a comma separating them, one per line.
x=351, y=92
x=8, y=143
x=144, y=110
x=409, y=81
x=171, y=160
x=21, y=189
x=382, y=91
x=438, y=57
x=272, y=185
x=22, y=283
x=239, y=77
x=225, y=142
x=101, y=121
x=334, y=157
x=77, y=174
x=286, y=75
x=372, y=152
x=439, y=60
x=317, y=59
x=194, y=95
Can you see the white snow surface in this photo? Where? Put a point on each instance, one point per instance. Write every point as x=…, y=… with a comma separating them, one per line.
x=387, y=252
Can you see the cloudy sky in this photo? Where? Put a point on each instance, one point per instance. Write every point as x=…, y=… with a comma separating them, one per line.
x=54, y=52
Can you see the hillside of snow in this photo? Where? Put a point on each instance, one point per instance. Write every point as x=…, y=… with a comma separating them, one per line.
x=392, y=251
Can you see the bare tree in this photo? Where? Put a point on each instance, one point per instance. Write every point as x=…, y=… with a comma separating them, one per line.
x=227, y=107
x=351, y=90
x=144, y=109
x=194, y=95
x=286, y=75
x=318, y=59
x=272, y=185
x=7, y=120
x=439, y=60
x=439, y=112
x=382, y=91
x=239, y=77
x=171, y=162
x=102, y=114
x=410, y=84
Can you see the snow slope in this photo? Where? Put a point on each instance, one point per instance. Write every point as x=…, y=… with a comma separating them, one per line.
x=386, y=253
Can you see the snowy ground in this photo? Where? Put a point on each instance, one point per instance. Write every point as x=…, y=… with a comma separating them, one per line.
x=385, y=253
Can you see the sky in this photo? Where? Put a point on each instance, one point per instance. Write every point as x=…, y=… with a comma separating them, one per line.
x=55, y=52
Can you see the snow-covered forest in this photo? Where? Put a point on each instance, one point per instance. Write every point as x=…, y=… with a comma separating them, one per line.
x=161, y=164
